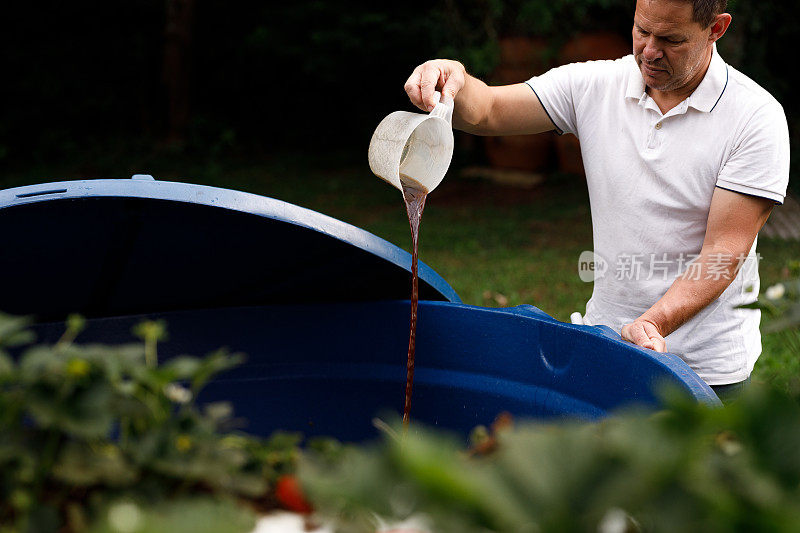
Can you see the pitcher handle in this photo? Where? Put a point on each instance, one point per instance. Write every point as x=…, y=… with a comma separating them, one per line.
x=444, y=108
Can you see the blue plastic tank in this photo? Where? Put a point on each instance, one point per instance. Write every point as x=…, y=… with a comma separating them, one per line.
x=319, y=306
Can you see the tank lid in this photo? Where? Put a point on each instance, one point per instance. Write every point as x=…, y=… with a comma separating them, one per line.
x=114, y=247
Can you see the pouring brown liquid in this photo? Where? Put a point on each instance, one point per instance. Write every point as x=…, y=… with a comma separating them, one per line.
x=414, y=195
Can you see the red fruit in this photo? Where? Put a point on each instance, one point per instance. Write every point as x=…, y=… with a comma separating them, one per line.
x=290, y=495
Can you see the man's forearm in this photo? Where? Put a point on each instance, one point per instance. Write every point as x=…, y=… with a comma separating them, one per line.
x=472, y=106
x=702, y=283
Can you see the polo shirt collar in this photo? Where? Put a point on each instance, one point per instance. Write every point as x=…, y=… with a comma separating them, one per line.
x=710, y=90
x=704, y=98
x=636, y=86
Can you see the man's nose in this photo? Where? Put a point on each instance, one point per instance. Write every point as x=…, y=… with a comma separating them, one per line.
x=651, y=51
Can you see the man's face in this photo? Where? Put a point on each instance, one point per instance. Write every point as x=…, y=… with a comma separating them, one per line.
x=669, y=47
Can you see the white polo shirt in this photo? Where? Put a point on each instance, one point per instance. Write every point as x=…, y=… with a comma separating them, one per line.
x=651, y=177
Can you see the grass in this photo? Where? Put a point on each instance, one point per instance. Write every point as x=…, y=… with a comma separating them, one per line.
x=496, y=245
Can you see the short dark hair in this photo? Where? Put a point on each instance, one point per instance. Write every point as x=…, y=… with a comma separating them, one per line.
x=704, y=11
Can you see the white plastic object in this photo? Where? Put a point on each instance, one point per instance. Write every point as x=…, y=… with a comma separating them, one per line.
x=286, y=522
x=415, y=146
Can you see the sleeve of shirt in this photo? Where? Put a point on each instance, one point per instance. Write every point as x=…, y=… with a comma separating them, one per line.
x=555, y=91
x=562, y=89
x=759, y=163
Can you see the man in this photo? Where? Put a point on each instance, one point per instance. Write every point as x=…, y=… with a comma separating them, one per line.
x=685, y=158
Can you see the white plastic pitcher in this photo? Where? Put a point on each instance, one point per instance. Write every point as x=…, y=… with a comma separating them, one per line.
x=419, y=147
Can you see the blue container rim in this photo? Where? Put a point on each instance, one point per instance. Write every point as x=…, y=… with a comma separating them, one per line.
x=145, y=187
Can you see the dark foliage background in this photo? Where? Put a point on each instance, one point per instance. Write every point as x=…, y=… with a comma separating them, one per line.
x=268, y=76
x=261, y=74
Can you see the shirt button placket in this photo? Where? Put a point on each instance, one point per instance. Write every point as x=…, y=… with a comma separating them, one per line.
x=652, y=138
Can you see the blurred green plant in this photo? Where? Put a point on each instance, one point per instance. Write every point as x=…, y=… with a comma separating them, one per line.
x=92, y=438
x=780, y=307
x=102, y=438
x=689, y=468
x=781, y=303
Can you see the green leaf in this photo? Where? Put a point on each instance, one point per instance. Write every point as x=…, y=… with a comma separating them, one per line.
x=213, y=364
x=12, y=330
x=38, y=362
x=189, y=515
x=115, y=361
x=43, y=519
x=18, y=338
x=82, y=465
x=6, y=366
x=84, y=412
x=788, y=320
x=182, y=367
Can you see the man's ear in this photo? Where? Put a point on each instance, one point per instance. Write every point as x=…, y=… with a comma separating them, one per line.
x=719, y=26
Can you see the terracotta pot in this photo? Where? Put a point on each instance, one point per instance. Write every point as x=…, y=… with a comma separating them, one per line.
x=531, y=153
x=586, y=47
x=568, y=151
x=508, y=74
x=594, y=46
x=525, y=52
x=520, y=59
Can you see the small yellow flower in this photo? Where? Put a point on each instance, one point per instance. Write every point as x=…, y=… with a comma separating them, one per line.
x=78, y=368
x=183, y=443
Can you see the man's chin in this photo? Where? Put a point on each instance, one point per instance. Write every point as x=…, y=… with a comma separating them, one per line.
x=656, y=86
x=655, y=83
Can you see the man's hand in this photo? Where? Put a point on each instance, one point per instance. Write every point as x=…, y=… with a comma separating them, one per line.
x=443, y=74
x=479, y=109
x=645, y=334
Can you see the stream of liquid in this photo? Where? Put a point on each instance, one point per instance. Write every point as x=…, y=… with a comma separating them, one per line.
x=414, y=195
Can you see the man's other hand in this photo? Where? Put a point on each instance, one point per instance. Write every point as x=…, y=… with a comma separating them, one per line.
x=443, y=74
x=645, y=334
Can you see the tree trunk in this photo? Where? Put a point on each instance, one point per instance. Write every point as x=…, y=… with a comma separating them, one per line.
x=177, y=47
